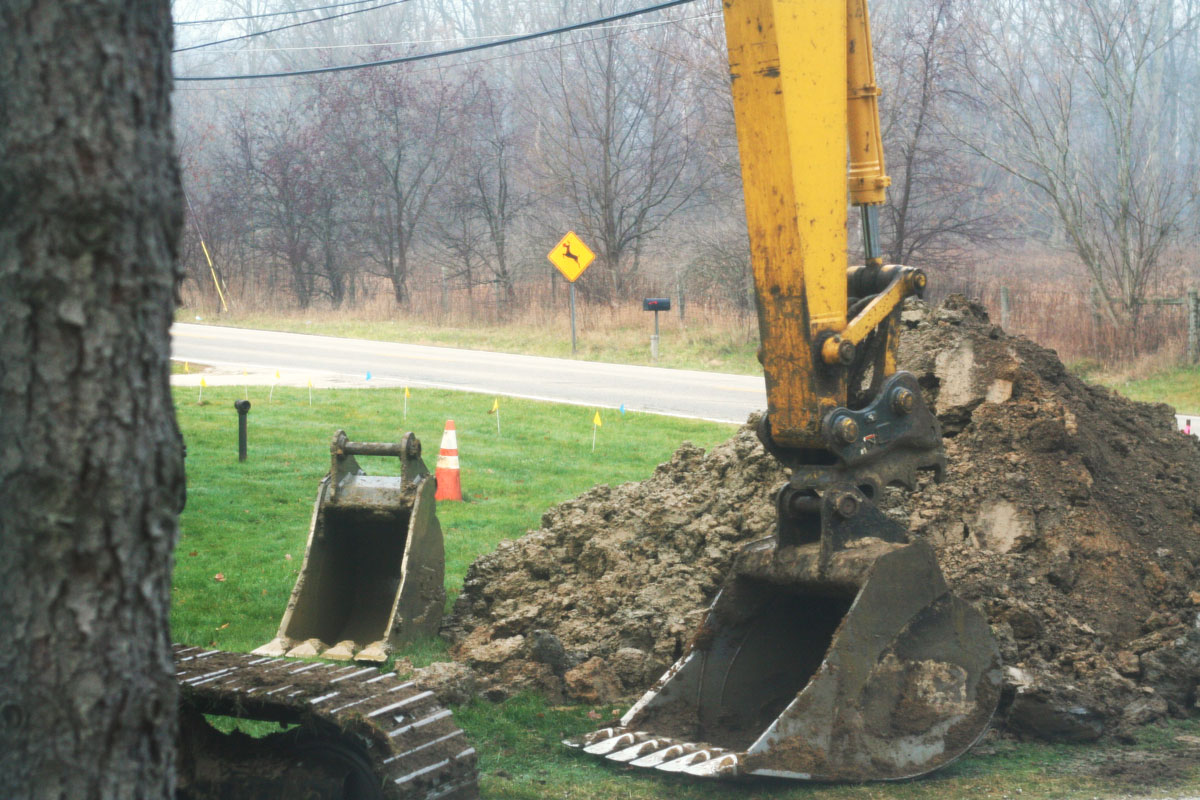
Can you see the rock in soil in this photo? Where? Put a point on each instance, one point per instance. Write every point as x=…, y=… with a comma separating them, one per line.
x=1068, y=514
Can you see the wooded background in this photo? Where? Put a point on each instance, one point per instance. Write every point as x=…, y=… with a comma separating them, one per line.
x=1042, y=145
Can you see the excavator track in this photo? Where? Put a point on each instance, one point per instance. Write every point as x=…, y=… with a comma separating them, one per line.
x=353, y=732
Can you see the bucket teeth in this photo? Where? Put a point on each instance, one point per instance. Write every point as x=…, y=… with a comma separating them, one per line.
x=692, y=761
x=671, y=753
x=275, y=648
x=309, y=648
x=620, y=741
x=342, y=651
x=638, y=750
x=721, y=763
x=585, y=739
x=375, y=652
x=642, y=749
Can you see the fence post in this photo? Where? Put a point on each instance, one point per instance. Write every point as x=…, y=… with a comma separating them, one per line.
x=1193, y=336
x=1004, y=307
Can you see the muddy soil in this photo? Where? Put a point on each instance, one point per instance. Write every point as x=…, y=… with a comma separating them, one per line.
x=1068, y=514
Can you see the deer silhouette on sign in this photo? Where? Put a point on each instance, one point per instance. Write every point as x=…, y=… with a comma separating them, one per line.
x=567, y=252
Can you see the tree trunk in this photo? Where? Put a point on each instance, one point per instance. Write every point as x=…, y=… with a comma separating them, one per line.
x=91, y=469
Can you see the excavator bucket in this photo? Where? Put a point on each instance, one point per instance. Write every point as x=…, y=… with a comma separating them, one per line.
x=372, y=577
x=841, y=659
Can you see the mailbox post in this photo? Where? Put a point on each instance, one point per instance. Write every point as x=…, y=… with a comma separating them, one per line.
x=243, y=408
x=655, y=304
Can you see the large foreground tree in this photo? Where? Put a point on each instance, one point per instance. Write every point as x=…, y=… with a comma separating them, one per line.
x=91, y=474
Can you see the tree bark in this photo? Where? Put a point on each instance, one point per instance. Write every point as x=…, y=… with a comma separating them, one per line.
x=91, y=471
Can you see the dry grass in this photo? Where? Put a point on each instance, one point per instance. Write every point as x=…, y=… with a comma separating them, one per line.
x=1049, y=302
x=707, y=337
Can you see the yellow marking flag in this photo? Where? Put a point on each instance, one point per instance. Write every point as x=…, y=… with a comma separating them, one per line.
x=495, y=406
x=596, y=420
x=203, y=383
x=187, y=367
x=406, y=394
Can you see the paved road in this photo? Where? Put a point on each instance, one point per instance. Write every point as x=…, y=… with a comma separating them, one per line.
x=328, y=360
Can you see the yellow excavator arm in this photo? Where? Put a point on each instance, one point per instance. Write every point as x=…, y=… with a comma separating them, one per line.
x=835, y=650
x=803, y=82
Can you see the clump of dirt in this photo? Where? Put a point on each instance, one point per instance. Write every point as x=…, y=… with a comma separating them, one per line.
x=1069, y=515
x=622, y=574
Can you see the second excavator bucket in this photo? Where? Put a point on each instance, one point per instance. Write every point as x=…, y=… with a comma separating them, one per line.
x=373, y=572
x=841, y=659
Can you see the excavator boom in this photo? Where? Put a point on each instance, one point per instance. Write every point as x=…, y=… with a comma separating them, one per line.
x=835, y=651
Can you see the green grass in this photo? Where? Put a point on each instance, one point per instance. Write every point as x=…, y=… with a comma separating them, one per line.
x=1178, y=387
x=717, y=346
x=521, y=758
x=188, y=367
x=242, y=520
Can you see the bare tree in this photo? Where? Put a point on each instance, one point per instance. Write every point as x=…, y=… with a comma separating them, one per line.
x=399, y=139
x=720, y=268
x=485, y=198
x=938, y=204
x=272, y=158
x=1072, y=95
x=91, y=468
x=613, y=131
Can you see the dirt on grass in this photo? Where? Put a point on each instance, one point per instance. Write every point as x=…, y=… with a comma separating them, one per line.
x=1068, y=514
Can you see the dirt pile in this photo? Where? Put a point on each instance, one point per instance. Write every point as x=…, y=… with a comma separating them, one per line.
x=1070, y=515
x=602, y=599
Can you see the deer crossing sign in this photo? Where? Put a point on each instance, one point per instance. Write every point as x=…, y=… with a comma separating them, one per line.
x=571, y=256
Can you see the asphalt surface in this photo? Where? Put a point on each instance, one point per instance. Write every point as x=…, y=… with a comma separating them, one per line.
x=241, y=355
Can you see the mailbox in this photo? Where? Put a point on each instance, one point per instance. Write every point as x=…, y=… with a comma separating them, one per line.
x=656, y=304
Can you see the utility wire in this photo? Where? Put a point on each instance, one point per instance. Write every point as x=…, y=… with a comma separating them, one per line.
x=412, y=42
x=270, y=14
x=441, y=53
x=285, y=27
x=609, y=35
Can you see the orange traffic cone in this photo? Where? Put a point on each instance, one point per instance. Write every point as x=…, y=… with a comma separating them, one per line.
x=449, y=486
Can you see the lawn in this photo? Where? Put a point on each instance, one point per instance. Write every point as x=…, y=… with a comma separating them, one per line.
x=1177, y=386
x=248, y=522
x=245, y=525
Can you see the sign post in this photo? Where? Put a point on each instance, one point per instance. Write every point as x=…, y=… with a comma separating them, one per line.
x=571, y=257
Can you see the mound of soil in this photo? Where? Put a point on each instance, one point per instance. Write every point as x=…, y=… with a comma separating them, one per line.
x=1069, y=515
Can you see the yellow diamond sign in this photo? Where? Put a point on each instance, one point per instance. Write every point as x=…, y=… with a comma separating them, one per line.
x=571, y=256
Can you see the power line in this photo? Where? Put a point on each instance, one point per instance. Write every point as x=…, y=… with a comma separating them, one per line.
x=285, y=27
x=412, y=42
x=545, y=49
x=441, y=53
x=270, y=14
